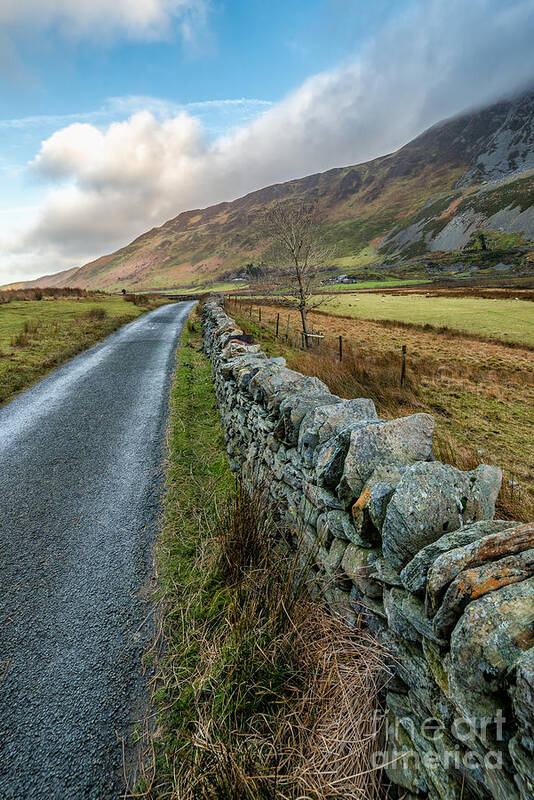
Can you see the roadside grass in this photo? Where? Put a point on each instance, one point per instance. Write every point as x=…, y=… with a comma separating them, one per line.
x=260, y=693
x=481, y=394
x=504, y=319
x=39, y=335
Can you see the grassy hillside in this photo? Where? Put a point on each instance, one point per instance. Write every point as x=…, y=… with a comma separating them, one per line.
x=216, y=242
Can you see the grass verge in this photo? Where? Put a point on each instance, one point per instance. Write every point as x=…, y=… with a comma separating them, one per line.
x=37, y=336
x=259, y=693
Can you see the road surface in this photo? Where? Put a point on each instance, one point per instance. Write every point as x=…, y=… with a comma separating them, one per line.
x=80, y=486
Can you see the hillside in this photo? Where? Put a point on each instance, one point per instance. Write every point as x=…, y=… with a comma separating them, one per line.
x=59, y=279
x=472, y=173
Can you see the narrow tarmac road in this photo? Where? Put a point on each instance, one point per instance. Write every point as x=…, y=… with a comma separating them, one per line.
x=80, y=487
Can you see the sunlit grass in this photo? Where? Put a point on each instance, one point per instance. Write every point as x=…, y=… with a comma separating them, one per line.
x=509, y=320
x=38, y=335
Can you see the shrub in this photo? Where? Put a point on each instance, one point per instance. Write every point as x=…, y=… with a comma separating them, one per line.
x=95, y=313
x=141, y=299
x=23, y=339
x=50, y=292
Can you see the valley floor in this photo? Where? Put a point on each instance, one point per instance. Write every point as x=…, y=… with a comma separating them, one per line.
x=510, y=320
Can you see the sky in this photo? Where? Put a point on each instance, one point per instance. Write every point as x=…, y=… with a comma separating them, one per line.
x=117, y=115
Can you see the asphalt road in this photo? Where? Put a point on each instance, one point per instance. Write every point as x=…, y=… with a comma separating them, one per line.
x=80, y=487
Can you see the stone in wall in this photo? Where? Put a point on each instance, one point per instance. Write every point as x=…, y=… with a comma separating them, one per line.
x=515, y=538
x=393, y=443
x=322, y=423
x=414, y=574
x=473, y=583
x=432, y=499
x=490, y=636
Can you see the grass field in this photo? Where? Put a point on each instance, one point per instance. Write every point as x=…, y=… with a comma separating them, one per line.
x=481, y=394
x=38, y=335
x=508, y=320
x=352, y=287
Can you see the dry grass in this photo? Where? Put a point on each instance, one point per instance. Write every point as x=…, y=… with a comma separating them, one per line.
x=481, y=394
x=443, y=331
x=283, y=698
x=523, y=291
x=262, y=693
x=302, y=688
x=49, y=293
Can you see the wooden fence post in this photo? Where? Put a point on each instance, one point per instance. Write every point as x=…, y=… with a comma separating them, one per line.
x=403, y=366
x=341, y=348
x=287, y=328
x=259, y=314
x=277, y=324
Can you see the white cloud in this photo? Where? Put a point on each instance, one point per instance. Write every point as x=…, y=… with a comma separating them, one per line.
x=113, y=183
x=144, y=19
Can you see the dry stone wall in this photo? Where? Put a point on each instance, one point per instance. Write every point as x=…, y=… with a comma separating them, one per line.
x=408, y=543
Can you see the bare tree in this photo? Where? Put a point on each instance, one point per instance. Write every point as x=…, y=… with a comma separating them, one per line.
x=296, y=255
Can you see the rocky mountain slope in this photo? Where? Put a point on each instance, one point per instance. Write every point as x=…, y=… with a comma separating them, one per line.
x=472, y=173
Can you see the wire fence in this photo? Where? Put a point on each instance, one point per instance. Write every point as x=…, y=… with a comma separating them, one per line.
x=286, y=326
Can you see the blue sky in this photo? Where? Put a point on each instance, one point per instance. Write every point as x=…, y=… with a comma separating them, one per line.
x=244, y=49
x=118, y=114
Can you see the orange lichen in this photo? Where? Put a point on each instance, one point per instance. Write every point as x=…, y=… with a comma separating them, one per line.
x=361, y=502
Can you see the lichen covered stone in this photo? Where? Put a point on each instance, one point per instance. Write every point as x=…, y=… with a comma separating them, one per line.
x=414, y=574
x=394, y=443
x=488, y=640
x=432, y=499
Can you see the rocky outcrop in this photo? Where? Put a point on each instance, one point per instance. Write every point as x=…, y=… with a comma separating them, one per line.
x=410, y=545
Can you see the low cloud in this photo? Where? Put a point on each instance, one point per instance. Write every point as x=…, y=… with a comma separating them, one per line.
x=113, y=183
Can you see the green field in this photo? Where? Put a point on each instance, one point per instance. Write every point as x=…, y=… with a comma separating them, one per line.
x=13, y=315
x=352, y=287
x=38, y=335
x=507, y=320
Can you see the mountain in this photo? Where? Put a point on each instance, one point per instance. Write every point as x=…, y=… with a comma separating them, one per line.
x=63, y=278
x=469, y=174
